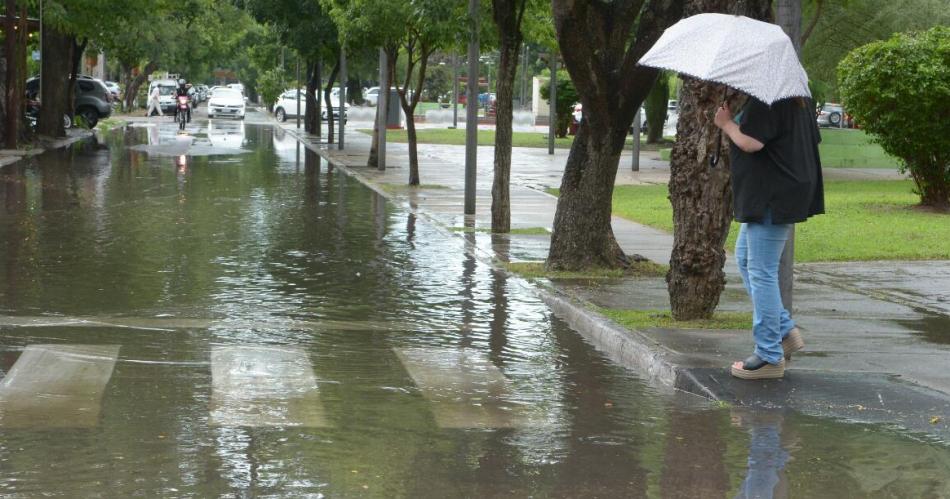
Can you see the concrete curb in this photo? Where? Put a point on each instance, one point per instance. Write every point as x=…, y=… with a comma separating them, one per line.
x=9, y=157
x=629, y=348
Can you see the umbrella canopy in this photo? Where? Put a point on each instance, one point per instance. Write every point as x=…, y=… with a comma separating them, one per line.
x=755, y=57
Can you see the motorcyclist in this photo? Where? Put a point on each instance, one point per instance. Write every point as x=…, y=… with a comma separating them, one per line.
x=183, y=91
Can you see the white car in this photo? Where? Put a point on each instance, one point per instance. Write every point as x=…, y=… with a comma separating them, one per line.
x=286, y=106
x=371, y=96
x=226, y=102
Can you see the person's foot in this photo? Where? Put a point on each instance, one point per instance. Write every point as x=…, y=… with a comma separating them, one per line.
x=792, y=343
x=756, y=368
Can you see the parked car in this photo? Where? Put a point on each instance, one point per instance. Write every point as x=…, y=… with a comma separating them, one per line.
x=371, y=96
x=113, y=89
x=92, y=101
x=830, y=115
x=226, y=102
x=286, y=106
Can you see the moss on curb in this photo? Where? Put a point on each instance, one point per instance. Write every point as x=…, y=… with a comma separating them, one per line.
x=537, y=270
x=645, y=319
x=405, y=188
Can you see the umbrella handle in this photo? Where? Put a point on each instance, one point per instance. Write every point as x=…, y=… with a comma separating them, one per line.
x=714, y=158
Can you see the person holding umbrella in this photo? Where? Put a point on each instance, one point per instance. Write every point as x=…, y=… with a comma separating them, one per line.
x=775, y=168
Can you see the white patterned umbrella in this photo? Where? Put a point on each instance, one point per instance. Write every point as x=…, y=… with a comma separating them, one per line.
x=752, y=56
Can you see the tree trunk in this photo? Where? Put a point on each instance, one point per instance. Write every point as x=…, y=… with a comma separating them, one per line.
x=408, y=104
x=12, y=118
x=701, y=196
x=132, y=88
x=508, y=15
x=373, y=160
x=56, y=56
x=354, y=92
x=600, y=52
x=312, y=113
x=20, y=83
x=788, y=13
x=329, y=104
x=77, y=52
x=655, y=107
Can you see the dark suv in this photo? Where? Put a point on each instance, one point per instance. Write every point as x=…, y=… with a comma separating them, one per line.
x=93, y=100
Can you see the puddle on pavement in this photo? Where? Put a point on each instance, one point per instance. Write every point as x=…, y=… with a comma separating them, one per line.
x=930, y=327
x=279, y=330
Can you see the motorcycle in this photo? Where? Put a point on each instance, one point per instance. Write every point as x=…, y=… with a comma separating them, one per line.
x=31, y=112
x=181, y=115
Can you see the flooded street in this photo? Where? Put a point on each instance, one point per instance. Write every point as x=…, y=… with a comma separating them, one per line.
x=222, y=315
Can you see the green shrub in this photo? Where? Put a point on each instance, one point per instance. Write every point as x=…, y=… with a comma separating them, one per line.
x=898, y=90
x=269, y=85
x=566, y=97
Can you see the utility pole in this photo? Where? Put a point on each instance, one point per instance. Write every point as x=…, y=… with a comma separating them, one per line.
x=341, y=102
x=552, y=107
x=788, y=15
x=382, y=103
x=455, y=91
x=471, y=109
x=635, y=165
x=297, y=89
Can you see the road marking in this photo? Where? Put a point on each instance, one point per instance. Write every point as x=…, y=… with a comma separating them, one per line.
x=264, y=386
x=466, y=390
x=56, y=386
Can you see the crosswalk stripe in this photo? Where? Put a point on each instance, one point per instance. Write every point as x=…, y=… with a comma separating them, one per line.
x=255, y=386
x=464, y=388
x=57, y=386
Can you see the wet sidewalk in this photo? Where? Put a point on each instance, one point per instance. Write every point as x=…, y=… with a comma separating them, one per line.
x=877, y=333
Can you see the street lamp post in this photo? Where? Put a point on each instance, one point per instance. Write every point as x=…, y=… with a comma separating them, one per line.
x=471, y=110
x=341, y=101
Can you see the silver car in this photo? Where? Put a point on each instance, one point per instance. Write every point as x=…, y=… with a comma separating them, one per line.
x=830, y=115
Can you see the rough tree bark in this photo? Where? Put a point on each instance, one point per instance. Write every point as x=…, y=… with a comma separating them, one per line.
x=132, y=88
x=329, y=104
x=311, y=118
x=600, y=53
x=508, y=15
x=701, y=196
x=56, y=56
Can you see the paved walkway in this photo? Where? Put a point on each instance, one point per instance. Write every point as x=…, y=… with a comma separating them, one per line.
x=874, y=330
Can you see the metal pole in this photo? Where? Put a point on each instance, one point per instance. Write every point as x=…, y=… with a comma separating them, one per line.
x=39, y=91
x=382, y=103
x=471, y=110
x=552, y=112
x=524, y=79
x=297, y=88
x=635, y=166
x=455, y=91
x=341, y=102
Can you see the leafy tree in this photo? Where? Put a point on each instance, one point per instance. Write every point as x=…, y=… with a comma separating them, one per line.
x=411, y=28
x=899, y=90
x=601, y=43
x=566, y=98
x=845, y=25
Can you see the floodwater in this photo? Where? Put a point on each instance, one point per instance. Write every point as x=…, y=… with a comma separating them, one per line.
x=242, y=321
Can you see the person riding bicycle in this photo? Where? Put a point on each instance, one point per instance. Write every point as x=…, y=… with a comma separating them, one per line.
x=183, y=91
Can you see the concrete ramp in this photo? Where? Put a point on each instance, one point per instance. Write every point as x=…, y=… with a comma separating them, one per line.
x=264, y=386
x=465, y=389
x=56, y=386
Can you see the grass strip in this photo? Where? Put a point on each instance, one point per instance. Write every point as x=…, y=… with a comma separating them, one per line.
x=645, y=319
x=534, y=270
x=864, y=220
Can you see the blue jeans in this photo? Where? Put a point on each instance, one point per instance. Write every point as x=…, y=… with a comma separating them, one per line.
x=758, y=251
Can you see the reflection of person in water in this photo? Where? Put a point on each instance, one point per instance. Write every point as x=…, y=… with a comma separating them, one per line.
x=768, y=455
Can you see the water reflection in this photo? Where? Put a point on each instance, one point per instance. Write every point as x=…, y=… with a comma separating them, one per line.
x=265, y=252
